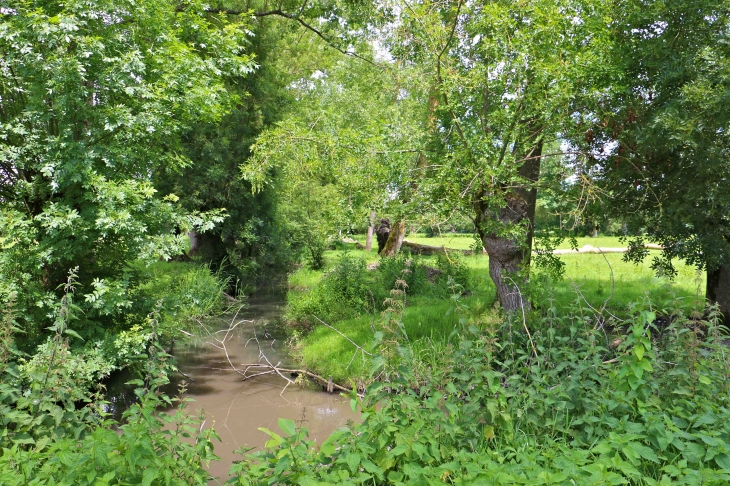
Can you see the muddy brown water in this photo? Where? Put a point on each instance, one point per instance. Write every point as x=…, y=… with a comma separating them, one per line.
x=236, y=408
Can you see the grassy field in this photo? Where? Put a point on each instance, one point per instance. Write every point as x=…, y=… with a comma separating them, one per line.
x=460, y=241
x=429, y=322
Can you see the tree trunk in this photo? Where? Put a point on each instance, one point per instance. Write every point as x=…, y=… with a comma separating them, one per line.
x=194, y=243
x=371, y=229
x=509, y=259
x=718, y=289
x=395, y=238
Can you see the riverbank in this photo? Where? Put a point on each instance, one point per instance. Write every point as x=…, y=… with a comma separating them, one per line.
x=349, y=294
x=234, y=407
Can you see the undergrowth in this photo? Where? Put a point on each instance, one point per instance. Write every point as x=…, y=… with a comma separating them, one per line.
x=55, y=432
x=559, y=402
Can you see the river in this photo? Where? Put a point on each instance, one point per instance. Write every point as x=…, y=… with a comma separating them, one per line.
x=236, y=408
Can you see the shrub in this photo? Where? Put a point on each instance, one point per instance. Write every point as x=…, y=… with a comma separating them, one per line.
x=342, y=293
x=558, y=405
x=348, y=282
x=401, y=267
x=452, y=266
x=315, y=247
x=46, y=439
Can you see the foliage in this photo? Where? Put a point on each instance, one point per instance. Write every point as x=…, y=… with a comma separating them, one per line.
x=561, y=404
x=314, y=252
x=658, y=133
x=347, y=281
x=401, y=266
x=183, y=292
x=454, y=272
x=46, y=439
x=350, y=140
x=95, y=95
x=341, y=293
x=261, y=234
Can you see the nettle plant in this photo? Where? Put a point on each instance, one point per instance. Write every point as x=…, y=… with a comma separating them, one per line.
x=565, y=404
x=54, y=432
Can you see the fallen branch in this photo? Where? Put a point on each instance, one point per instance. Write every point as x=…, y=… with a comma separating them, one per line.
x=276, y=369
x=243, y=370
x=431, y=250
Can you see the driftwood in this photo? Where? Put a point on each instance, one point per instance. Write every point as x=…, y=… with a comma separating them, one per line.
x=328, y=383
x=270, y=368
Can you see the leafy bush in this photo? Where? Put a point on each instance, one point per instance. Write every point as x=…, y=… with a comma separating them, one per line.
x=348, y=281
x=452, y=266
x=182, y=291
x=343, y=292
x=401, y=267
x=563, y=404
x=46, y=439
x=314, y=252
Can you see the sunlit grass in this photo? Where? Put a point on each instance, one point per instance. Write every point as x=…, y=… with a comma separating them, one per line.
x=428, y=325
x=594, y=279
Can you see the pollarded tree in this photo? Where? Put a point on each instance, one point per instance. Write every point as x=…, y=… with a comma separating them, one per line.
x=661, y=133
x=503, y=78
x=94, y=95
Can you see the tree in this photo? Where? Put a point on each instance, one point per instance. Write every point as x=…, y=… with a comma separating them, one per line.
x=502, y=77
x=350, y=138
x=659, y=134
x=93, y=99
x=253, y=241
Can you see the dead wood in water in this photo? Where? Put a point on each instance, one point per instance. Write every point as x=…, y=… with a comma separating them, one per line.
x=276, y=369
x=243, y=369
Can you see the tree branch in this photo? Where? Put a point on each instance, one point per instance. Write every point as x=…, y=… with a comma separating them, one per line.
x=280, y=13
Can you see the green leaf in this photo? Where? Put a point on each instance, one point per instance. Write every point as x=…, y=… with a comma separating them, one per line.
x=288, y=426
x=353, y=462
x=723, y=460
x=646, y=452
x=639, y=351
x=275, y=441
x=149, y=475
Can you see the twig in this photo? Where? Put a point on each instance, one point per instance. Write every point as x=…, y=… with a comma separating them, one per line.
x=243, y=369
x=277, y=369
x=186, y=376
x=613, y=287
x=524, y=318
x=341, y=334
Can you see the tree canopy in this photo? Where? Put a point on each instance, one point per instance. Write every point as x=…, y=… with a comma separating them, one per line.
x=94, y=98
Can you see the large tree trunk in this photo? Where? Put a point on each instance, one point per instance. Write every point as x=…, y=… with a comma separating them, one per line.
x=509, y=259
x=371, y=230
x=395, y=238
x=718, y=289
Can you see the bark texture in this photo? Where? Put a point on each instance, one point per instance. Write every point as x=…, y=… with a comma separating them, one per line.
x=371, y=230
x=382, y=233
x=395, y=238
x=509, y=259
x=718, y=289
x=194, y=243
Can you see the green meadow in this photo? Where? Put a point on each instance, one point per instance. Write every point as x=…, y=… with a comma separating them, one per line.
x=431, y=316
